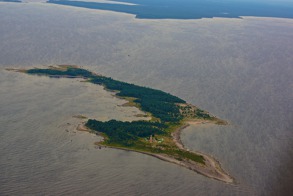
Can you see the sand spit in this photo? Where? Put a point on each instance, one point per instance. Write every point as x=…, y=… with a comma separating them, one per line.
x=82, y=127
x=211, y=169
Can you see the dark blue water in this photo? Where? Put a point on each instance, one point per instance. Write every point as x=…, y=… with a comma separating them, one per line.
x=12, y=1
x=190, y=9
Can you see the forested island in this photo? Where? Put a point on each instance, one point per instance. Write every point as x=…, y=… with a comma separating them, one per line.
x=158, y=137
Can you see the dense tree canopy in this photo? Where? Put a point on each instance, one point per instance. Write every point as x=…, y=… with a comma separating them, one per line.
x=167, y=110
x=160, y=104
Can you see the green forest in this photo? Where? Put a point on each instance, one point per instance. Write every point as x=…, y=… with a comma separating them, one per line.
x=163, y=107
x=126, y=133
x=160, y=104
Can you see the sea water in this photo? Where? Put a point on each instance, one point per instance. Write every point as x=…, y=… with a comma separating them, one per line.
x=239, y=70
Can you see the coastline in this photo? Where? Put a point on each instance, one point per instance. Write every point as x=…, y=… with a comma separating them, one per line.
x=176, y=152
x=211, y=169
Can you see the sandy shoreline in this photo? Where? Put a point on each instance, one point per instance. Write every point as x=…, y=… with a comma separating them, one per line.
x=211, y=169
x=82, y=127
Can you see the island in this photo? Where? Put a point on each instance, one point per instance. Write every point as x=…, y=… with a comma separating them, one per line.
x=158, y=137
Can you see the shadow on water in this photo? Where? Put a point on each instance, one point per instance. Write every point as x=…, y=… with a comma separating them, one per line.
x=189, y=9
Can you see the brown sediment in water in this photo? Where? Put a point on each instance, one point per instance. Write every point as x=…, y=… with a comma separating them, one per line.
x=82, y=127
x=79, y=116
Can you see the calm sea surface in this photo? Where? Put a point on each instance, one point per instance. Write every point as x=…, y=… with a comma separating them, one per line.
x=188, y=9
x=238, y=69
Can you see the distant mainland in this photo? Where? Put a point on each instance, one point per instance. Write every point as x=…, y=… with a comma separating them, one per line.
x=159, y=136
